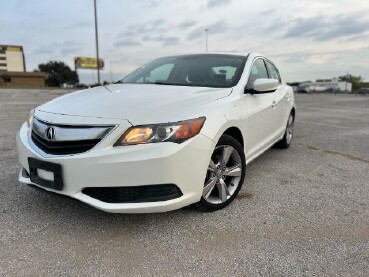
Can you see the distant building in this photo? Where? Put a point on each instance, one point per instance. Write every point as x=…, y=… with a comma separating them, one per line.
x=13, y=69
x=12, y=58
x=22, y=79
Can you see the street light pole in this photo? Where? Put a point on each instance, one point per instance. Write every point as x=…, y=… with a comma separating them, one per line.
x=97, y=45
x=206, y=39
x=111, y=72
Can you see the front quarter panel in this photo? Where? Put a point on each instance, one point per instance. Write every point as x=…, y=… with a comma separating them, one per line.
x=220, y=115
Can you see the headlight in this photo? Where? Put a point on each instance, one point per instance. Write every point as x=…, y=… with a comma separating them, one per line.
x=174, y=132
x=30, y=117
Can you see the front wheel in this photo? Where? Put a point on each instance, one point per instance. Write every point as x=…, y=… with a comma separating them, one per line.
x=225, y=175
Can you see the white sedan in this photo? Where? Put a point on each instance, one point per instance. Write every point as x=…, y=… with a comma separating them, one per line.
x=177, y=131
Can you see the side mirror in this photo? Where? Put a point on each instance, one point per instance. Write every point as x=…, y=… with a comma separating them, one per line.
x=265, y=85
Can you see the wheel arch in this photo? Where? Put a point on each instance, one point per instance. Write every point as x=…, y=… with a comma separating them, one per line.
x=293, y=112
x=236, y=134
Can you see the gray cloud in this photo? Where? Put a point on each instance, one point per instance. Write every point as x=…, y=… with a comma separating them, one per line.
x=267, y=12
x=42, y=51
x=304, y=27
x=158, y=22
x=65, y=48
x=295, y=59
x=84, y=24
x=186, y=24
x=325, y=28
x=148, y=3
x=164, y=40
x=145, y=27
x=358, y=37
x=217, y=3
x=70, y=50
x=126, y=34
x=126, y=43
x=218, y=27
x=195, y=34
x=157, y=26
x=132, y=35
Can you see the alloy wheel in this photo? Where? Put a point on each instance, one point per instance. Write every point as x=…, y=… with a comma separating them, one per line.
x=223, y=175
x=289, y=130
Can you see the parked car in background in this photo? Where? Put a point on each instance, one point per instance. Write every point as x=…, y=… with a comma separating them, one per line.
x=177, y=131
x=364, y=91
x=333, y=86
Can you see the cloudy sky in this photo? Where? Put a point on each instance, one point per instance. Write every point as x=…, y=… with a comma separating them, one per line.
x=307, y=39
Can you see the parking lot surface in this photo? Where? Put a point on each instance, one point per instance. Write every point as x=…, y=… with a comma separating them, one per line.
x=301, y=212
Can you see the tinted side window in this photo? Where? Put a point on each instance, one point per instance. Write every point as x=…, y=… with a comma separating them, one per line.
x=273, y=72
x=258, y=71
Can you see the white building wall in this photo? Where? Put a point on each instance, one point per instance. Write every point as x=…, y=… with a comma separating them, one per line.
x=345, y=86
x=14, y=61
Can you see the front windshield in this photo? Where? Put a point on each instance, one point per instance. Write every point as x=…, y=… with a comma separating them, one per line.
x=209, y=70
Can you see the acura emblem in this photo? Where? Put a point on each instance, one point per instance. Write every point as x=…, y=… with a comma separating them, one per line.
x=50, y=133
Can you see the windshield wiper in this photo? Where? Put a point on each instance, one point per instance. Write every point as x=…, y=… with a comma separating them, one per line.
x=169, y=84
x=159, y=83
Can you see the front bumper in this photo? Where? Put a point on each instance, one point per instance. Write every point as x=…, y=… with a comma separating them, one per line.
x=184, y=165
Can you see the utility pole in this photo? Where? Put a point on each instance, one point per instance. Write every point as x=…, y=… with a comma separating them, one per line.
x=206, y=39
x=347, y=78
x=111, y=72
x=97, y=45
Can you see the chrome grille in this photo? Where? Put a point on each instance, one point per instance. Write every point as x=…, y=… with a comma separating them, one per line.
x=57, y=139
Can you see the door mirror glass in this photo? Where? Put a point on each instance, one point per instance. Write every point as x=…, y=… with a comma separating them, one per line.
x=265, y=85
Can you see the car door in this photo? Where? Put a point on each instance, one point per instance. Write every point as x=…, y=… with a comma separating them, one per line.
x=261, y=113
x=281, y=101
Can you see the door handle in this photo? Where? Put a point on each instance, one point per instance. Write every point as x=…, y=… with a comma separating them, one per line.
x=274, y=104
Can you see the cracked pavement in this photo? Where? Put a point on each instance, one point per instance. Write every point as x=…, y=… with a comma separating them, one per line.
x=301, y=212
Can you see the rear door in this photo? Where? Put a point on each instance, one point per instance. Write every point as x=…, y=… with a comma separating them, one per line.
x=260, y=123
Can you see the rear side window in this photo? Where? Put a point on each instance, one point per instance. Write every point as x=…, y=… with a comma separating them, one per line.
x=273, y=72
x=258, y=71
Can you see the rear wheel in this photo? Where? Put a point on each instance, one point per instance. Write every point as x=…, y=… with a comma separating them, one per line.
x=288, y=135
x=225, y=175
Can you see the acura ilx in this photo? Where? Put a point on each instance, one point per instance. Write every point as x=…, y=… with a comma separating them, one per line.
x=177, y=131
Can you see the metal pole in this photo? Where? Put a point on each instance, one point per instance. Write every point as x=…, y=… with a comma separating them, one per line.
x=97, y=45
x=347, y=80
x=206, y=39
x=111, y=73
x=75, y=69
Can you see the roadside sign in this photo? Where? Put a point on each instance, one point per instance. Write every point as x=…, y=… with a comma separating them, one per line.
x=88, y=63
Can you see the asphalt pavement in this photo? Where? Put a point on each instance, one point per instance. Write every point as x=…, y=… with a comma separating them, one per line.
x=301, y=212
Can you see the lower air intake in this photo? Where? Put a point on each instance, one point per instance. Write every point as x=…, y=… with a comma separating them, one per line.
x=139, y=194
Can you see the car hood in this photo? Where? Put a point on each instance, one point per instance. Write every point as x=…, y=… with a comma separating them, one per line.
x=138, y=103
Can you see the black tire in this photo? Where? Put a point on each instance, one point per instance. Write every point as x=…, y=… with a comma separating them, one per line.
x=226, y=140
x=285, y=142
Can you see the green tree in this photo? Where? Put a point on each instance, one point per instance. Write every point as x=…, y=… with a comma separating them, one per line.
x=356, y=81
x=58, y=73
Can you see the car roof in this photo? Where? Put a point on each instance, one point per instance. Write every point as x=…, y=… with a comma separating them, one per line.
x=238, y=54
x=231, y=53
